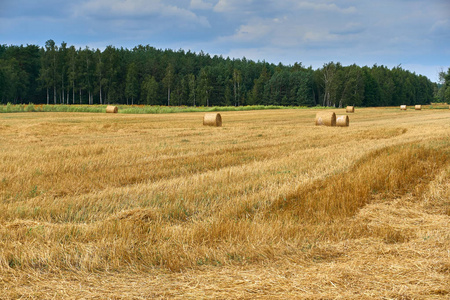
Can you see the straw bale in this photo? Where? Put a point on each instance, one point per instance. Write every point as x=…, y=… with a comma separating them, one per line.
x=327, y=118
x=402, y=107
x=112, y=109
x=212, y=119
x=350, y=109
x=342, y=121
x=418, y=107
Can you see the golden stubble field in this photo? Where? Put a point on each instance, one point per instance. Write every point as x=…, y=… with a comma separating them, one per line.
x=113, y=206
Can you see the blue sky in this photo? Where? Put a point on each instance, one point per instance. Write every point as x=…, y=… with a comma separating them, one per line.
x=413, y=33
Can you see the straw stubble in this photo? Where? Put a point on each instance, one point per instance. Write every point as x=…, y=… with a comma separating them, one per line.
x=251, y=207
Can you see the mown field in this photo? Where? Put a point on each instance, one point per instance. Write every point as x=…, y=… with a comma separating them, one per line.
x=268, y=206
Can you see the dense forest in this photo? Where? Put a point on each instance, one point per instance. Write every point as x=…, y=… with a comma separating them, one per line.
x=145, y=75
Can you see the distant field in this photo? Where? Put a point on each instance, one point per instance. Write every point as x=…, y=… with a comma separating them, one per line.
x=133, y=109
x=157, y=109
x=267, y=206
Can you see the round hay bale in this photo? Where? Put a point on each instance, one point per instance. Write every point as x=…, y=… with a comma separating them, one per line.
x=418, y=107
x=327, y=118
x=342, y=121
x=350, y=109
x=112, y=109
x=212, y=119
x=402, y=107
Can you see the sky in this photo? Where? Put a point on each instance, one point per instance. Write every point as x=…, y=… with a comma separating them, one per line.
x=412, y=33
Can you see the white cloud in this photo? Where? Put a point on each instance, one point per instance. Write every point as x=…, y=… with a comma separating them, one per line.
x=113, y=9
x=317, y=6
x=289, y=23
x=294, y=30
x=414, y=32
x=441, y=26
x=350, y=28
x=254, y=7
x=200, y=4
x=254, y=31
x=224, y=6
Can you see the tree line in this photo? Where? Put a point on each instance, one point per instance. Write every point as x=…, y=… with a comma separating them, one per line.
x=145, y=75
x=442, y=90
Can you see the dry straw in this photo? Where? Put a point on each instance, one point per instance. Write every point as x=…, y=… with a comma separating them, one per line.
x=350, y=109
x=212, y=119
x=342, y=121
x=418, y=107
x=402, y=107
x=327, y=118
x=112, y=109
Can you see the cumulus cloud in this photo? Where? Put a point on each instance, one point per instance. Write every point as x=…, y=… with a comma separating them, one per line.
x=441, y=27
x=349, y=28
x=226, y=6
x=296, y=25
x=254, y=31
x=311, y=31
x=114, y=9
x=200, y=4
x=318, y=6
x=281, y=33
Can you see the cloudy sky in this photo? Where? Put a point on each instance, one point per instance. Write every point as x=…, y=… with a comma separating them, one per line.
x=413, y=33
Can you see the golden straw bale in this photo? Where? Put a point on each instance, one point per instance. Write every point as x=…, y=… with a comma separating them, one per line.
x=402, y=107
x=342, y=121
x=212, y=119
x=418, y=107
x=350, y=109
x=112, y=109
x=327, y=118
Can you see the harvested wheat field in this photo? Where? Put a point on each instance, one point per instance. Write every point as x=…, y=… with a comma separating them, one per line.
x=268, y=206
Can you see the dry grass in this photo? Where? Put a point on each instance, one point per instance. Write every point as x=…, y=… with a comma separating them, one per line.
x=267, y=206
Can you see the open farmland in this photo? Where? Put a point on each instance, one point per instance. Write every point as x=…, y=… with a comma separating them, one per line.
x=267, y=206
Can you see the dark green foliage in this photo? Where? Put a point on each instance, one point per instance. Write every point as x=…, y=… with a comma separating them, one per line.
x=132, y=84
x=371, y=89
x=442, y=90
x=145, y=75
x=149, y=90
